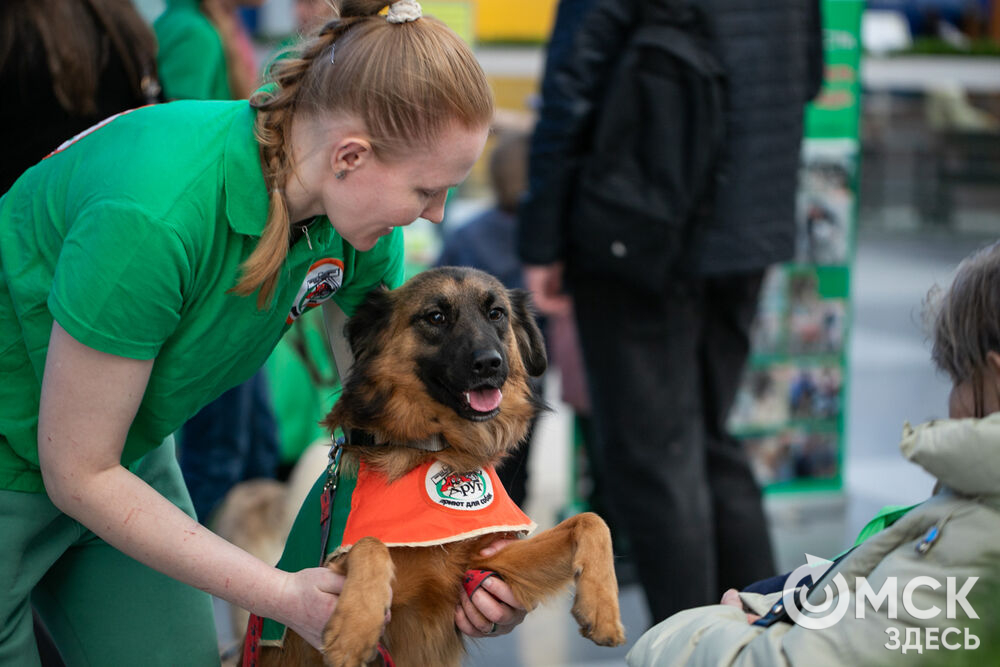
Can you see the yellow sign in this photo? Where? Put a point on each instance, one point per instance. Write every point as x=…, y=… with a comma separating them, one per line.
x=495, y=20
x=514, y=20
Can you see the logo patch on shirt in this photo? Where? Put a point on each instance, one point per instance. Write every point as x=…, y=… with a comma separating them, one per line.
x=324, y=278
x=458, y=490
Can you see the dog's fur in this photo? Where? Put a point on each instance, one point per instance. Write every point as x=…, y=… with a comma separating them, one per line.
x=418, y=349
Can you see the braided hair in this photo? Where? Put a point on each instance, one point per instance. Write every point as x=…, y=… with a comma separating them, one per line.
x=406, y=82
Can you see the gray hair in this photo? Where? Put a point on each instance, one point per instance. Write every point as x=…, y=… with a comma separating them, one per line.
x=965, y=320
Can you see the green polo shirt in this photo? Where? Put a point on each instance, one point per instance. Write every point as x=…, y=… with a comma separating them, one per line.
x=191, y=59
x=130, y=239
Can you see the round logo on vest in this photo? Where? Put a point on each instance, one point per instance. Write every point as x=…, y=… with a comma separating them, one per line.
x=324, y=278
x=458, y=490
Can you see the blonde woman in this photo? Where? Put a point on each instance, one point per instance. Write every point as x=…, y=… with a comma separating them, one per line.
x=153, y=262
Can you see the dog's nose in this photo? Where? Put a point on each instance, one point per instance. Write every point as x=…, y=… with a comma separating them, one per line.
x=486, y=362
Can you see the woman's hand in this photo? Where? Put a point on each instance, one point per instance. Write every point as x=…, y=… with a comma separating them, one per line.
x=545, y=282
x=492, y=610
x=310, y=596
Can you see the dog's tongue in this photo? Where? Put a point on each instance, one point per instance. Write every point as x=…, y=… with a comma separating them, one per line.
x=484, y=400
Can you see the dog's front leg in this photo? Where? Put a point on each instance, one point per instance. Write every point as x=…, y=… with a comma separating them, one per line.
x=577, y=549
x=351, y=636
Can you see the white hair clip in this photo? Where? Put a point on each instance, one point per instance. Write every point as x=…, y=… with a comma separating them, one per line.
x=404, y=11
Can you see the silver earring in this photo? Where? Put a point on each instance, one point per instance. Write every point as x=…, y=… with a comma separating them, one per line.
x=340, y=175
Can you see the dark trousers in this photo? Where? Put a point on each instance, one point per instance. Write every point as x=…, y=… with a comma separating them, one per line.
x=232, y=439
x=663, y=372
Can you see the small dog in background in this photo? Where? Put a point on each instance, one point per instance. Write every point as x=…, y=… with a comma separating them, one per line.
x=443, y=362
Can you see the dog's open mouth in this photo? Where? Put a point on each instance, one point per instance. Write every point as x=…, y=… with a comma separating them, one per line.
x=484, y=400
x=479, y=403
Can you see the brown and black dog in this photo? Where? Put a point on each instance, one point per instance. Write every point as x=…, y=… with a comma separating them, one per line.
x=447, y=356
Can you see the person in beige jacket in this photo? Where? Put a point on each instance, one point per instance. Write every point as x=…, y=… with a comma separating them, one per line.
x=937, y=554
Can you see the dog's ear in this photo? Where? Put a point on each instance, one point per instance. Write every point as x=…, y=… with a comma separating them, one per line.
x=371, y=317
x=530, y=343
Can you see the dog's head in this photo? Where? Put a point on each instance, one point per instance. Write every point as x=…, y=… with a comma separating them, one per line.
x=447, y=354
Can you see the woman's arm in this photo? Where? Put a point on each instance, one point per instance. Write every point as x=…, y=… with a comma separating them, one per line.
x=88, y=402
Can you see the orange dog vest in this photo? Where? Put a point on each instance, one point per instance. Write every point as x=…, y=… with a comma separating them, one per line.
x=431, y=504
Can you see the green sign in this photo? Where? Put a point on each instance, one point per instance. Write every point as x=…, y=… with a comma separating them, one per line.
x=456, y=14
x=790, y=410
x=836, y=112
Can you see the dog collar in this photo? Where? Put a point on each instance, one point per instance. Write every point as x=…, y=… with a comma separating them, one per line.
x=359, y=438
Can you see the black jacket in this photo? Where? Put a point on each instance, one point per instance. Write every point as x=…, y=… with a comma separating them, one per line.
x=772, y=53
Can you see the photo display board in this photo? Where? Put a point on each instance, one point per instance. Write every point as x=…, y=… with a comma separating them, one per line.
x=790, y=412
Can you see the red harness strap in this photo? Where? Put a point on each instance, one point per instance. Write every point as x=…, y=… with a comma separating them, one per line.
x=251, y=644
x=386, y=658
x=473, y=579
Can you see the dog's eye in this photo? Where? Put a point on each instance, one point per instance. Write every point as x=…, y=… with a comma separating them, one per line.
x=496, y=314
x=435, y=317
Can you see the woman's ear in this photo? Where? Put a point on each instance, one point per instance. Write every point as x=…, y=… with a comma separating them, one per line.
x=350, y=153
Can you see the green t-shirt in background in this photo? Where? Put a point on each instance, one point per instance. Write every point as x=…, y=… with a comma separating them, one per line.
x=130, y=238
x=191, y=59
x=300, y=402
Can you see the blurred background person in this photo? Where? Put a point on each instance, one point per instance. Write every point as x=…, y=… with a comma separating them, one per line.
x=665, y=330
x=205, y=50
x=64, y=66
x=311, y=14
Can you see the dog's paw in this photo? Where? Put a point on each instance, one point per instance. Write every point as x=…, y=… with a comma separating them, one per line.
x=351, y=636
x=603, y=628
x=350, y=641
x=596, y=610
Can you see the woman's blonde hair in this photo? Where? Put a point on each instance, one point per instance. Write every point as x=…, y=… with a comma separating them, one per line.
x=405, y=81
x=965, y=321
